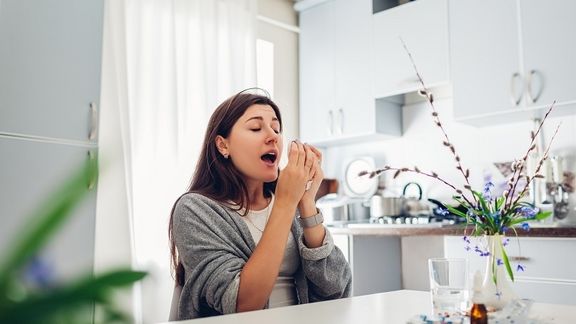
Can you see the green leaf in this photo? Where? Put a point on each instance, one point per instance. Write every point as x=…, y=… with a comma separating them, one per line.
x=506, y=262
x=482, y=201
x=67, y=300
x=455, y=211
x=542, y=215
x=499, y=203
x=48, y=218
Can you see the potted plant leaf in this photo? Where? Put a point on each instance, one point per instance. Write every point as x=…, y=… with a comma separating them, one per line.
x=64, y=303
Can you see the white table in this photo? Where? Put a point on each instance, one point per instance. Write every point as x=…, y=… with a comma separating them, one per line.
x=390, y=307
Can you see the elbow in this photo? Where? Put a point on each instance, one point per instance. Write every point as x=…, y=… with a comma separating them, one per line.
x=248, y=305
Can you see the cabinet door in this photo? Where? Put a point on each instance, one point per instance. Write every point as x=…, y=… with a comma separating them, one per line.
x=549, y=50
x=353, y=61
x=317, y=109
x=31, y=171
x=423, y=25
x=484, y=56
x=50, y=54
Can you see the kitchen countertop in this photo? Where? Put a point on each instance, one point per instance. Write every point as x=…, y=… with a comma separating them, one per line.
x=423, y=230
x=389, y=307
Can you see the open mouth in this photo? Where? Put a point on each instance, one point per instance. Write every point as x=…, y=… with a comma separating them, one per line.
x=269, y=157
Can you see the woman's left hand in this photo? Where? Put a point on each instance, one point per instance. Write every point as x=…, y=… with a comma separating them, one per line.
x=314, y=158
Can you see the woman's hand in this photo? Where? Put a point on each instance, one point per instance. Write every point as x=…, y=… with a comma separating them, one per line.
x=307, y=204
x=292, y=180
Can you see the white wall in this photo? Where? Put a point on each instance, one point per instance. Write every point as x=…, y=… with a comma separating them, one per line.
x=421, y=145
x=277, y=24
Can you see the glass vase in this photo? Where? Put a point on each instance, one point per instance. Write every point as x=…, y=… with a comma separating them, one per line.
x=497, y=290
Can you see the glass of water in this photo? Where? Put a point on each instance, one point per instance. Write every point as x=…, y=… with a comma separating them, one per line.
x=448, y=286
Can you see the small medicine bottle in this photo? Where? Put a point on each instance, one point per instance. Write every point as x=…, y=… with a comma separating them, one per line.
x=478, y=313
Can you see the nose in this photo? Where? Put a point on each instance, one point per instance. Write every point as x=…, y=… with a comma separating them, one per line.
x=272, y=136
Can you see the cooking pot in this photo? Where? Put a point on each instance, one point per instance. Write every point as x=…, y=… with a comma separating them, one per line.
x=385, y=206
x=334, y=207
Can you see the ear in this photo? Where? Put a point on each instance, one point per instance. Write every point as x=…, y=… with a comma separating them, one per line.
x=222, y=146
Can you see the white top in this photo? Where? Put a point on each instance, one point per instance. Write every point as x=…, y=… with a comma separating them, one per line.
x=390, y=307
x=284, y=291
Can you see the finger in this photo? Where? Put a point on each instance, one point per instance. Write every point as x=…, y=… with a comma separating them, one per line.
x=293, y=153
x=310, y=159
x=301, y=154
x=317, y=152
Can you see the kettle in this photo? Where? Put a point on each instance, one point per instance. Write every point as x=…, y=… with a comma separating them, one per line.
x=413, y=206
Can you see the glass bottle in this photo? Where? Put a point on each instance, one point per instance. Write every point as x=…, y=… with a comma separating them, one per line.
x=478, y=313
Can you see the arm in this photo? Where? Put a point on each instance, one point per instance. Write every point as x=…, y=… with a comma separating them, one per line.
x=259, y=275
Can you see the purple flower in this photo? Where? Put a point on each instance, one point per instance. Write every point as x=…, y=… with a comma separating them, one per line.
x=39, y=273
x=487, y=190
x=520, y=268
x=498, y=294
x=526, y=227
x=499, y=262
x=528, y=211
x=466, y=239
x=442, y=211
x=467, y=248
x=506, y=240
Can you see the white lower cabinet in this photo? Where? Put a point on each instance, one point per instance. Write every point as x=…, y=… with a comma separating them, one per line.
x=550, y=271
x=375, y=262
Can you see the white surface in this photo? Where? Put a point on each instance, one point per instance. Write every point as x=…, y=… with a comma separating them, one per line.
x=391, y=307
x=429, y=225
x=423, y=25
x=489, y=46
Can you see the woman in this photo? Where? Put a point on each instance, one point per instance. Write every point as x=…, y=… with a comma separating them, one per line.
x=247, y=236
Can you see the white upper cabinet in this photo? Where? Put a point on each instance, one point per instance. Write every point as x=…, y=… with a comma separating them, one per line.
x=50, y=62
x=423, y=25
x=317, y=107
x=549, y=47
x=510, y=64
x=337, y=104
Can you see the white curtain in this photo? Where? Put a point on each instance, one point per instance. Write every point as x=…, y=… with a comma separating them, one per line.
x=167, y=64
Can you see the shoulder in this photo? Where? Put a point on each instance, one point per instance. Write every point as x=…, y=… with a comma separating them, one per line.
x=197, y=205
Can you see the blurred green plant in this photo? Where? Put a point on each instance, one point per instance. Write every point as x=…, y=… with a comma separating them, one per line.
x=65, y=303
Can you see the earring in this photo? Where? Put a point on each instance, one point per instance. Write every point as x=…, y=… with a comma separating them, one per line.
x=225, y=155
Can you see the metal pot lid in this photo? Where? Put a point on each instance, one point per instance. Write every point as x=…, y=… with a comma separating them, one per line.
x=360, y=186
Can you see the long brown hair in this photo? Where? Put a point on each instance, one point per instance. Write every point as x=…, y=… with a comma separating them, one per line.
x=215, y=176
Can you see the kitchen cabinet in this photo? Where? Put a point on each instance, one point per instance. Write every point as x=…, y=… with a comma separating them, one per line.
x=510, y=64
x=423, y=25
x=31, y=171
x=336, y=99
x=50, y=55
x=375, y=262
x=549, y=276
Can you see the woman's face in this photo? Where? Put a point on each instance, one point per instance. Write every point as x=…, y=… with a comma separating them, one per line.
x=255, y=144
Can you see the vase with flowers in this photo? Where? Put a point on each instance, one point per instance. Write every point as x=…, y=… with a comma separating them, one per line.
x=487, y=216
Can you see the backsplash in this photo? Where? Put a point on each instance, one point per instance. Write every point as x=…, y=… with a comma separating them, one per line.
x=421, y=145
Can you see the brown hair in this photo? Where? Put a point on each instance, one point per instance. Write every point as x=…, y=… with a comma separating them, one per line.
x=215, y=176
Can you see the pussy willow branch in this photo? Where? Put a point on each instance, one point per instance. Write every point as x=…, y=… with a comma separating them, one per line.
x=433, y=175
x=430, y=98
x=536, y=174
x=519, y=168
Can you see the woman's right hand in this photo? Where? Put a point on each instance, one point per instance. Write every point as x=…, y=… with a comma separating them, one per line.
x=292, y=180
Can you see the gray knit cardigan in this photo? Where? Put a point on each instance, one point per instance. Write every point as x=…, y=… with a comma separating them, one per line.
x=214, y=244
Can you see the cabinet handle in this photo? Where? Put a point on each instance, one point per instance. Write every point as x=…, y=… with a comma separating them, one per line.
x=516, y=99
x=92, y=180
x=518, y=258
x=341, y=120
x=330, y=122
x=93, y=129
x=531, y=97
